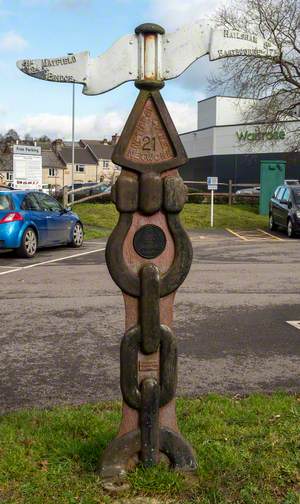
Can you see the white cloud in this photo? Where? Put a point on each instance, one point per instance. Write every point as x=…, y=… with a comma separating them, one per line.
x=59, y=126
x=174, y=13
x=12, y=41
x=94, y=126
x=184, y=115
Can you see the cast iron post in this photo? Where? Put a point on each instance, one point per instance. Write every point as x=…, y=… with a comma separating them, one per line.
x=148, y=255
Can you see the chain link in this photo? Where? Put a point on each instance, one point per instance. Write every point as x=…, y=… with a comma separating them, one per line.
x=149, y=337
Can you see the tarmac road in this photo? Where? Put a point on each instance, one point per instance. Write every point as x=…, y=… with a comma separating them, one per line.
x=62, y=322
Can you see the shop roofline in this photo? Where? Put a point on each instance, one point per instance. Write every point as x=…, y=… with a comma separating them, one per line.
x=228, y=96
x=238, y=124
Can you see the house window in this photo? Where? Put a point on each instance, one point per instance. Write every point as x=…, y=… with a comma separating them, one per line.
x=9, y=176
x=105, y=163
x=52, y=172
x=80, y=168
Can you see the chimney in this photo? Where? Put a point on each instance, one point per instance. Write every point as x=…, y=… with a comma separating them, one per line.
x=57, y=145
x=114, y=139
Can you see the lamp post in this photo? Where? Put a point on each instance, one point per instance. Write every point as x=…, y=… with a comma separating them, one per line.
x=73, y=135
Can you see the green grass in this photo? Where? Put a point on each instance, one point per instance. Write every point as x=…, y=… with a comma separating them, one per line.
x=248, y=452
x=194, y=216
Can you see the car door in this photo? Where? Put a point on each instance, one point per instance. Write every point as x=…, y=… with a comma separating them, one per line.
x=57, y=225
x=284, y=207
x=37, y=216
x=276, y=204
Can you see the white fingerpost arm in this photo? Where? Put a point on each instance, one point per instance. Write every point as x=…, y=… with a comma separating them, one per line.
x=148, y=55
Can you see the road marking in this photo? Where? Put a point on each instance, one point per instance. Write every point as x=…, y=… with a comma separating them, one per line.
x=294, y=323
x=236, y=234
x=199, y=238
x=96, y=242
x=9, y=267
x=269, y=234
x=252, y=235
x=21, y=268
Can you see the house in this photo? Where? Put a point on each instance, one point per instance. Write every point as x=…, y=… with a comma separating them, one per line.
x=102, y=152
x=6, y=168
x=54, y=170
x=92, y=162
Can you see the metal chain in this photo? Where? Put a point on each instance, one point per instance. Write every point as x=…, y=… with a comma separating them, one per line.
x=149, y=337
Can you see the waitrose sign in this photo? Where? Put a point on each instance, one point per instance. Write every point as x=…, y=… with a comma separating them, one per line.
x=260, y=136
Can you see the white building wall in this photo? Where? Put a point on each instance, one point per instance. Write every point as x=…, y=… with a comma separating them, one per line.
x=222, y=110
x=207, y=110
x=231, y=110
x=224, y=140
x=198, y=143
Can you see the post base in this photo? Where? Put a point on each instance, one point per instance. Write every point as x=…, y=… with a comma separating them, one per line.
x=122, y=454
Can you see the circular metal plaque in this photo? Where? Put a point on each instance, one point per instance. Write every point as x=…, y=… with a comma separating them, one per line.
x=149, y=241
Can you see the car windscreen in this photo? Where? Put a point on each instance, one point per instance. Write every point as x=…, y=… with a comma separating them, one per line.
x=296, y=193
x=5, y=202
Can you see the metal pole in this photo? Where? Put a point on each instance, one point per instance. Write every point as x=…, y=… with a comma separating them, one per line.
x=73, y=136
x=73, y=139
x=212, y=210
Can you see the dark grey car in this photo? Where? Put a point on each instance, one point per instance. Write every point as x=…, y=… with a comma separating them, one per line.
x=285, y=209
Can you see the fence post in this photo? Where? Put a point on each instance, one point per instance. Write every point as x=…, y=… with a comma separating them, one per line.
x=65, y=197
x=230, y=192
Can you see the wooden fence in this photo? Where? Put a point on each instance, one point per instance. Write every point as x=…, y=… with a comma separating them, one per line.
x=67, y=193
x=230, y=193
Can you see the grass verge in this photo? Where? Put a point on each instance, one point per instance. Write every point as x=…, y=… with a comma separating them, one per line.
x=100, y=219
x=248, y=452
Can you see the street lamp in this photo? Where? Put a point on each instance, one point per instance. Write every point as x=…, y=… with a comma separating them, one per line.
x=73, y=135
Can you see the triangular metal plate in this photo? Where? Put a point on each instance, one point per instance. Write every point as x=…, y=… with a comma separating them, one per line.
x=149, y=140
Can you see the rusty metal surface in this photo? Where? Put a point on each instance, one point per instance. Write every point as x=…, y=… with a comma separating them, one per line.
x=149, y=241
x=150, y=319
x=175, y=194
x=149, y=145
x=127, y=279
x=126, y=193
x=151, y=193
x=149, y=141
x=149, y=422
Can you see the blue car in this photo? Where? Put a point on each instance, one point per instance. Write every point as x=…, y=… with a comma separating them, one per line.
x=30, y=220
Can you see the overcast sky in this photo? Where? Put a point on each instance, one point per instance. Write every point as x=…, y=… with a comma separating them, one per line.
x=52, y=28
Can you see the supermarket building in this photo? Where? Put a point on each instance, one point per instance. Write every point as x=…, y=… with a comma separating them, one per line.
x=224, y=145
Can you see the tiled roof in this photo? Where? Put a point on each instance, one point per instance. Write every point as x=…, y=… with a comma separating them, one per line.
x=82, y=156
x=99, y=150
x=6, y=162
x=50, y=159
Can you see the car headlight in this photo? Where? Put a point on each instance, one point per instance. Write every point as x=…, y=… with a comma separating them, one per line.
x=298, y=214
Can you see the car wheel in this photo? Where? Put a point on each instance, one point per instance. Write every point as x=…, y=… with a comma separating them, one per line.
x=290, y=229
x=272, y=225
x=28, y=245
x=77, y=236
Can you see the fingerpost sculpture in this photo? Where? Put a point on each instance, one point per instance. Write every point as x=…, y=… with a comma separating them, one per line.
x=148, y=254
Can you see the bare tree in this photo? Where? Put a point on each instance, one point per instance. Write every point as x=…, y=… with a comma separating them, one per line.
x=274, y=82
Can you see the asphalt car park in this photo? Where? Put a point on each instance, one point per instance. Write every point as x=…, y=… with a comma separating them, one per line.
x=236, y=319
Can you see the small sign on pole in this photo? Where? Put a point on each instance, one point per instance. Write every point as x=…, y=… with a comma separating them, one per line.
x=212, y=185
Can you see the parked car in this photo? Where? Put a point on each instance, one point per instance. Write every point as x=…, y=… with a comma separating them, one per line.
x=285, y=209
x=255, y=191
x=46, y=189
x=292, y=182
x=30, y=220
